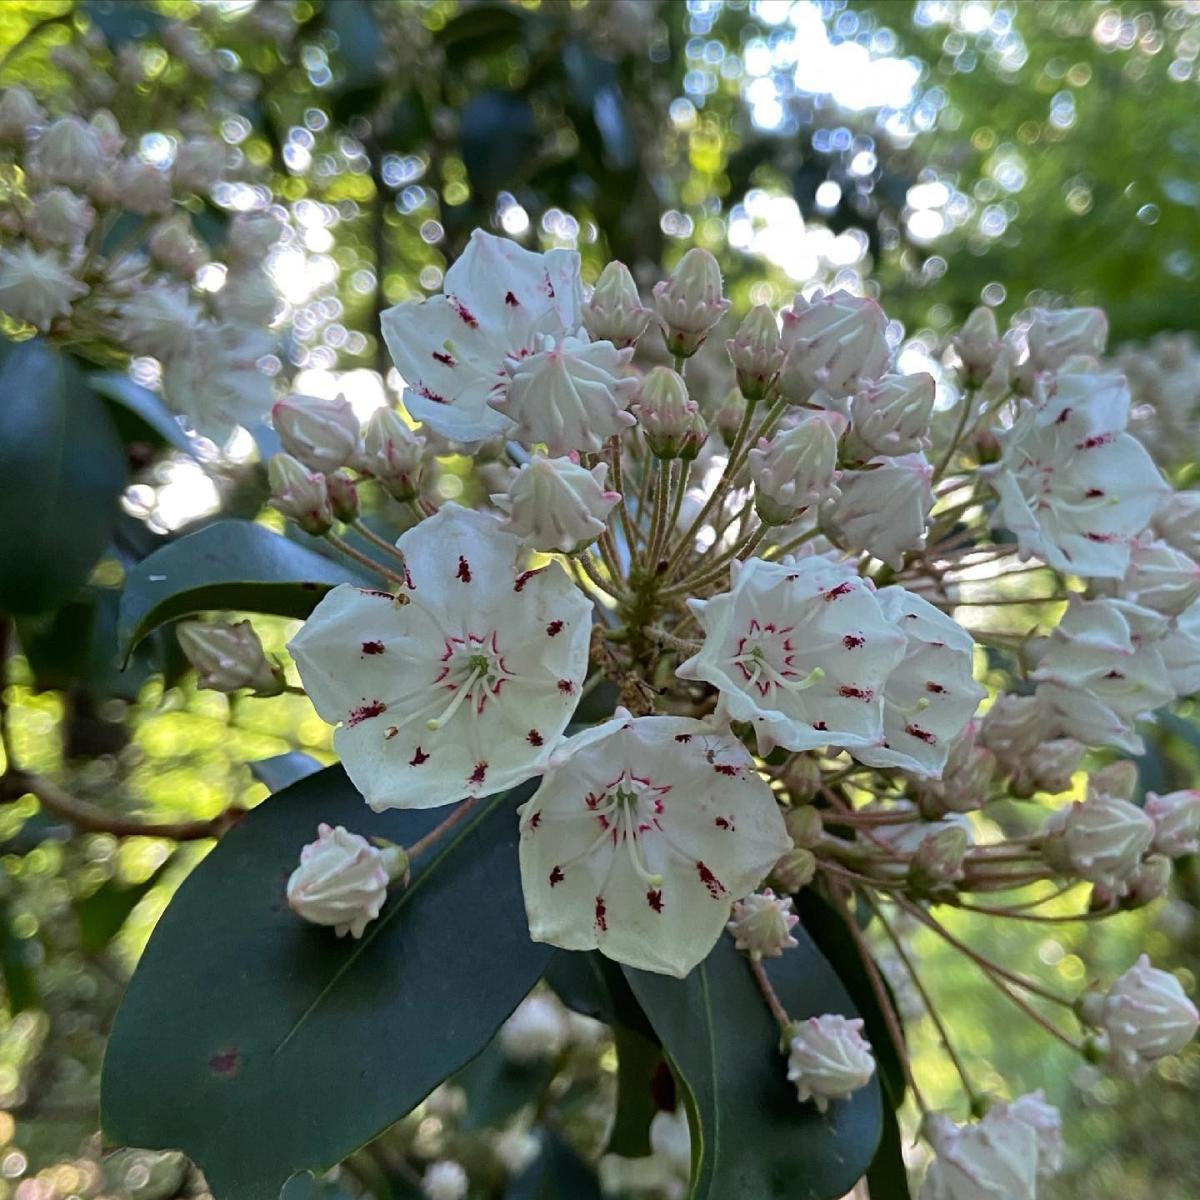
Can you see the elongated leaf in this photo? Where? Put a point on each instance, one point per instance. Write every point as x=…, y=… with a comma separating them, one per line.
x=756, y=1141
x=497, y=1087
x=888, y=1176
x=146, y=406
x=229, y=564
x=263, y=1046
x=593, y=985
x=638, y=1060
x=102, y=914
x=558, y=1173
x=282, y=770
x=62, y=470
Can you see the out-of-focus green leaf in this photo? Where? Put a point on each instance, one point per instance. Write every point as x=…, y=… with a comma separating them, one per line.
x=638, y=1061
x=483, y=28
x=589, y=983
x=146, y=406
x=16, y=968
x=377, y=1022
x=499, y=137
x=497, y=1088
x=558, y=1173
x=102, y=914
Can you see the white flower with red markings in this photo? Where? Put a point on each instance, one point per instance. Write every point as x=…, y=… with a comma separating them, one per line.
x=342, y=880
x=800, y=649
x=834, y=343
x=453, y=350
x=554, y=504
x=762, y=924
x=931, y=695
x=828, y=1058
x=1074, y=487
x=465, y=689
x=642, y=834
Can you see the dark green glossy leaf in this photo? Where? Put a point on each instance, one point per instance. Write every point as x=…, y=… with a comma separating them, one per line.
x=481, y=29
x=589, y=983
x=282, y=770
x=227, y=565
x=498, y=140
x=146, y=406
x=497, y=1087
x=62, y=470
x=638, y=1061
x=887, y=1176
x=752, y=1138
x=558, y=1173
x=316, y=1043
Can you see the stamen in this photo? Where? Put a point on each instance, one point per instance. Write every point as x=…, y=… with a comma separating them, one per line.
x=634, y=846
x=435, y=723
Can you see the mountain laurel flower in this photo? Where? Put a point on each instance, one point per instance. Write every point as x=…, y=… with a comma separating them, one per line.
x=834, y=342
x=642, y=834
x=669, y=418
x=883, y=508
x=966, y=779
x=1161, y=577
x=1012, y=729
x=247, y=297
x=160, y=320
x=1075, y=488
x=554, y=504
x=322, y=432
x=1046, y=1121
x=445, y=1180
x=891, y=415
x=199, y=164
x=464, y=690
x=300, y=494
x=1100, y=839
x=802, y=649
x=762, y=924
x=797, y=467
x=614, y=312
x=828, y=1058
x=1050, y=768
x=142, y=188
x=568, y=393
x=1150, y=881
x=1176, y=817
x=690, y=303
x=937, y=864
x=228, y=658
x=453, y=350
x=978, y=345
x=19, y=112
x=250, y=238
x=536, y=1031
x=1145, y=1016
x=1057, y=335
x=392, y=454
x=930, y=696
x=217, y=382
x=69, y=152
x=36, y=287
x=996, y=1158
x=60, y=217
x=756, y=351
x=1101, y=671
x=342, y=880
x=343, y=495
x=795, y=870
x=1177, y=522
x=174, y=246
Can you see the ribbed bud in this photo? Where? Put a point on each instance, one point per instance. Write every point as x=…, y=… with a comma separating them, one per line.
x=300, y=494
x=728, y=418
x=761, y=924
x=343, y=496
x=322, y=433
x=1057, y=335
x=229, y=658
x=891, y=415
x=834, y=343
x=979, y=345
x=690, y=303
x=19, y=112
x=342, y=881
x=756, y=352
x=615, y=312
x=142, y=188
x=828, y=1058
x=199, y=164
x=554, y=504
x=804, y=823
x=1176, y=817
x=795, y=870
x=797, y=467
x=669, y=418
x=69, y=152
x=392, y=454
x=938, y=863
x=60, y=217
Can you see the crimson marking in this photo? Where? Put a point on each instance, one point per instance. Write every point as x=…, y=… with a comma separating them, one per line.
x=364, y=712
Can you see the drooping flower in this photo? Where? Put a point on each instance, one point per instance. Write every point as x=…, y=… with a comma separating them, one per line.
x=342, y=880
x=554, y=504
x=642, y=834
x=828, y=1058
x=465, y=689
x=992, y=1159
x=453, y=350
x=930, y=695
x=36, y=287
x=802, y=650
x=834, y=343
x=762, y=924
x=883, y=508
x=1074, y=487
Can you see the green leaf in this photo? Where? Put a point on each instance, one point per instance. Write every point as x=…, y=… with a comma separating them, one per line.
x=638, y=1061
x=558, y=1173
x=62, y=470
x=589, y=983
x=752, y=1139
x=481, y=30
x=497, y=1087
x=146, y=407
x=282, y=770
x=226, y=565
x=263, y=1046
x=887, y=1176
x=16, y=967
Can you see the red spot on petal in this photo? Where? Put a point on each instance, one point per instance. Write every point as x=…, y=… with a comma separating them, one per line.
x=1063, y=416
x=430, y=394
x=372, y=647
x=836, y=593
x=654, y=899
x=601, y=915
x=922, y=735
x=935, y=688
x=1094, y=493
x=1099, y=439
x=566, y=687
x=683, y=737
x=364, y=712
x=554, y=628
x=479, y=772
x=725, y=823
x=725, y=768
x=852, y=641
x=821, y=725
x=524, y=577
x=556, y=876
x=464, y=569
x=444, y=359
x=225, y=1064
x=419, y=756
x=534, y=738
x=511, y=300
x=855, y=693
x=716, y=889
x=465, y=313
x=376, y=592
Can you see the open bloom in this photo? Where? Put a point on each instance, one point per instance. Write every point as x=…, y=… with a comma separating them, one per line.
x=342, y=881
x=642, y=834
x=462, y=691
x=1146, y=1016
x=828, y=1058
x=801, y=649
x=1074, y=487
x=992, y=1159
x=452, y=350
x=930, y=696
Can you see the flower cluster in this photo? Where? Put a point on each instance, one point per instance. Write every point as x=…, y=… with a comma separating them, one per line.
x=786, y=593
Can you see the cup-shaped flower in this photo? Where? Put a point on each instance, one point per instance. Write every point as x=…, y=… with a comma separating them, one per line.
x=342, y=880
x=1176, y=817
x=392, y=454
x=930, y=695
x=756, y=351
x=322, y=432
x=834, y=343
x=1101, y=839
x=568, y=393
x=1146, y=1015
x=1058, y=334
x=614, y=312
x=802, y=650
x=554, y=504
x=891, y=415
x=465, y=689
x=642, y=834
x=762, y=923
x=690, y=303
x=228, y=657
x=1161, y=577
x=1046, y=1121
x=797, y=467
x=883, y=509
x=300, y=494
x=1074, y=487
x=828, y=1058
x=992, y=1159
x=452, y=350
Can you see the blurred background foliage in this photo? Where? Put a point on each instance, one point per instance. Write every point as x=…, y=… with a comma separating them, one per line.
x=939, y=154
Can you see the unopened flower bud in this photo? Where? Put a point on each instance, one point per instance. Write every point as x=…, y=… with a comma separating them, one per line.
x=343, y=496
x=60, y=217
x=797, y=467
x=250, y=237
x=160, y=320
x=300, y=494
x=891, y=415
x=1012, y=730
x=142, y=188
x=978, y=345
x=1150, y=881
x=1177, y=521
x=690, y=303
x=995, y=1158
x=615, y=312
x=1046, y=1122
x=108, y=130
x=756, y=352
x=1161, y=577
x=445, y=1180
x=938, y=863
x=536, y=1031
x=174, y=246
x=322, y=433
x=669, y=418
x=36, y=287
x=804, y=822
x=228, y=658
x=761, y=924
x=248, y=298
x=1058, y=334
x=1050, y=768
x=1101, y=839
x=794, y=871
x=69, y=152
x=1117, y=779
x=554, y=504
x=835, y=342
x=19, y=112
x=828, y=1058
x=199, y=164
x=883, y=509
x=342, y=880
x=1176, y=817
x=392, y=454
x=1146, y=1015
x=728, y=418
